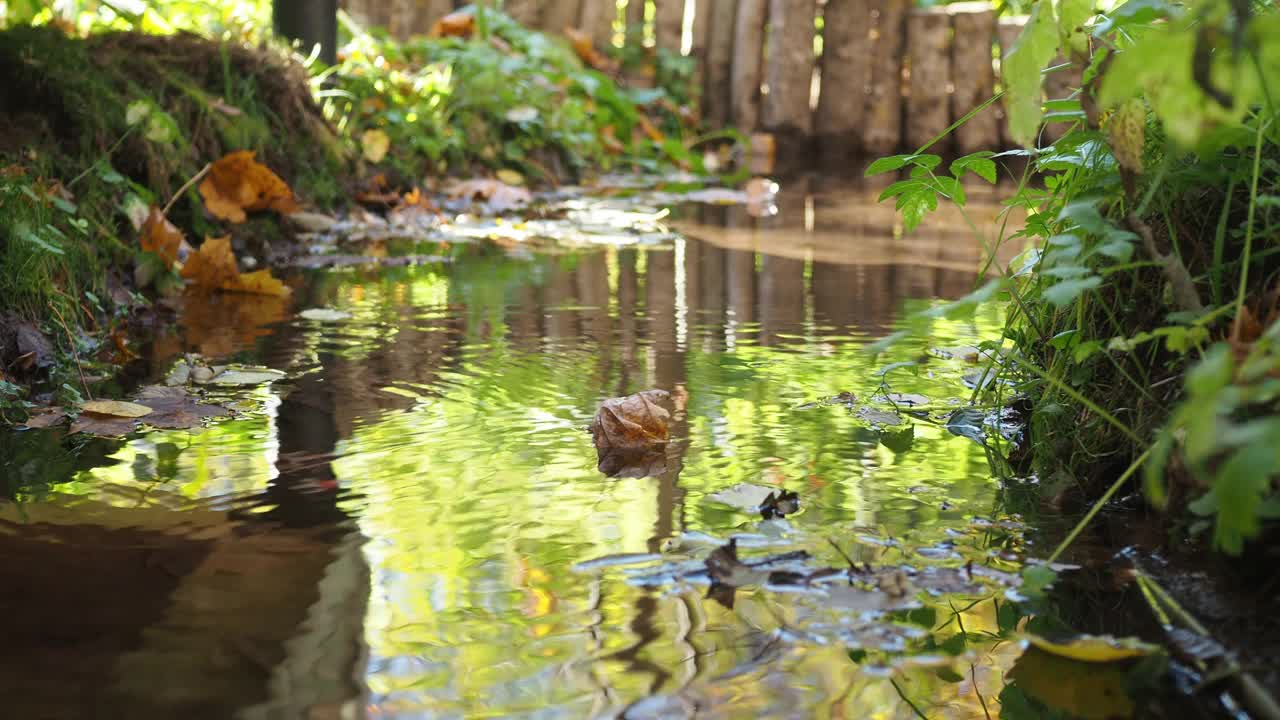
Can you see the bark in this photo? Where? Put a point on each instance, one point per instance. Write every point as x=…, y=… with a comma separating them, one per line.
x=719, y=65
x=701, y=37
x=883, y=121
x=597, y=21
x=973, y=75
x=842, y=101
x=668, y=24
x=789, y=74
x=929, y=52
x=560, y=14
x=748, y=51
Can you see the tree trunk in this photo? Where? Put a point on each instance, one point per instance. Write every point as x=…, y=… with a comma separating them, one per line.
x=789, y=75
x=842, y=102
x=525, y=12
x=311, y=23
x=929, y=52
x=701, y=38
x=883, y=121
x=973, y=76
x=668, y=25
x=597, y=22
x=719, y=66
x=635, y=22
x=748, y=58
x=560, y=14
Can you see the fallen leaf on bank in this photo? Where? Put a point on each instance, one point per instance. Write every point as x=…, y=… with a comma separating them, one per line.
x=498, y=195
x=44, y=418
x=586, y=51
x=456, y=24
x=213, y=267
x=510, y=177
x=237, y=184
x=374, y=145
x=115, y=408
x=1094, y=648
x=650, y=130
x=161, y=237
x=633, y=422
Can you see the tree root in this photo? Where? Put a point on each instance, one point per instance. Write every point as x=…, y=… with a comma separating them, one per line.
x=1184, y=288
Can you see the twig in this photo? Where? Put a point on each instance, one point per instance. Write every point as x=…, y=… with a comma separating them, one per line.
x=973, y=676
x=186, y=186
x=907, y=700
x=1257, y=701
x=74, y=353
x=1184, y=288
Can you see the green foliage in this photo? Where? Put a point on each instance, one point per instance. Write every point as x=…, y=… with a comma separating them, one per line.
x=522, y=100
x=1123, y=331
x=918, y=195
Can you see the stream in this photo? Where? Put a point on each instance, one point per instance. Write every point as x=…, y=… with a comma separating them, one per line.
x=413, y=522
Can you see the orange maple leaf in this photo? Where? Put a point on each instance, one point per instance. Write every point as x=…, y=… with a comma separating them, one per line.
x=162, y=238
x=238, y=183
x=213, y=267
x=455, y=24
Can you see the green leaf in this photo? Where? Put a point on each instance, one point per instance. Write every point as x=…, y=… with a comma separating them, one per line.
x=952, y=188
x=886, y=164
x=25, y=232
x=1065, y=292
x=1085, y=215
x=1030, y=53
x=1237, y=493
x=915, y=204
x=1036, y=579
x=1212, y=373
x=898, y=188
x=1136, y=12
x=978, y=163
x=1153, y=480
x=1072, y=15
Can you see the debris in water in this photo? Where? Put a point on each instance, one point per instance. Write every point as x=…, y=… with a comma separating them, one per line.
x=324, y=314
x=156, y=405
x=631, y=463
x=780, y=504
x=633, y=422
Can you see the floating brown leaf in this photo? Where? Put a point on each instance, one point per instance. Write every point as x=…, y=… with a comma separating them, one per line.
x=633, y=422
x=166, y=407
x=44, y=418
x=115, y=408
x=213, y=267
x=237, y=183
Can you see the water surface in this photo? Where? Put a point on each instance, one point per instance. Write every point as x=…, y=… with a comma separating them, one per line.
x=405, y=527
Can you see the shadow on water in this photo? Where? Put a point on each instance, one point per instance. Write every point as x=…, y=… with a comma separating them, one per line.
x=395, y=528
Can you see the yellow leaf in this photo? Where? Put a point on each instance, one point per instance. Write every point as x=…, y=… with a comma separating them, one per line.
x=237, y=183
x=213, y=265
x=1094, y=648
x=374, y=145
x=259, y=282
x=116, y=408
x=510, y=177
x=1080, y=689
x=455, y=24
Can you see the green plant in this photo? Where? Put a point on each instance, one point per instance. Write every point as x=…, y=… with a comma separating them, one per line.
x=1132, y=325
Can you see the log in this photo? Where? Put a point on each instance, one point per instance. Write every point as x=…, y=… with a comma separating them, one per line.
x=561, y=14
x=785, y=111
x=715, y=90
x=700, y=38
x=635, y=23
x=525, y=12
x=842, y=101
x=668, y=25
x=597, y=21
x=1008, y=29
x=973, y=76
x=929, y=55
x=748, y=60
x=883, y=122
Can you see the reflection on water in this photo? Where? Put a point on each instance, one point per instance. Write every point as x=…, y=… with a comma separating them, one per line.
x=424, y=479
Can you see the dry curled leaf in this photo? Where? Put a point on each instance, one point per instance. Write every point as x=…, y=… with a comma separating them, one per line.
x=237, y=183
x=587, y=52
x=633, y=422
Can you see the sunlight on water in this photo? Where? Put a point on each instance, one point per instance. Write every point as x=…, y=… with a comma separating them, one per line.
x=445, y=422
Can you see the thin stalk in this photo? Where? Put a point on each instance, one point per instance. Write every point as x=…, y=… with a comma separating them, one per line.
x=1097, y=505
x=1219, y=242
x=1075, y=395
x=1248, y=233
x=964, y=119
x=907, y=700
